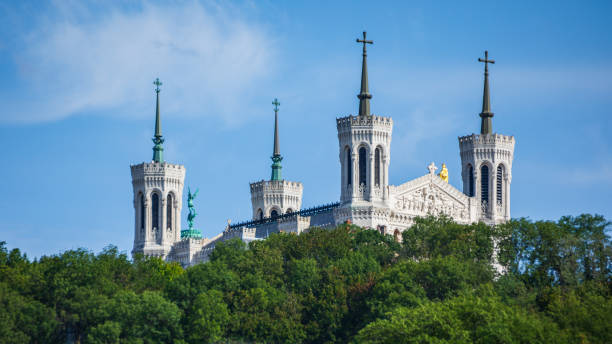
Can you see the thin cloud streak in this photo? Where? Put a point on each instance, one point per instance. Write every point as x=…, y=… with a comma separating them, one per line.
x=206, y=58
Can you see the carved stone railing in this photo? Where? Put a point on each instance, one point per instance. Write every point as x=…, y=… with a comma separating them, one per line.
x=378, y=192
x=363, y=189
x=499, y=209
x=484, y=208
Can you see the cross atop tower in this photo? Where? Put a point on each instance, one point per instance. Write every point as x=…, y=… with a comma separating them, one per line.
x=157, y=83
x=364, y=41
x=364, y=95
x=486, y=61
x=276, y=104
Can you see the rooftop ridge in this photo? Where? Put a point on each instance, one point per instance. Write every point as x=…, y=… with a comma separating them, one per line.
x=303, y=212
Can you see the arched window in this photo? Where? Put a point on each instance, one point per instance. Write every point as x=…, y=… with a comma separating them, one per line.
x=142, y=211
x=470, y=181
x=273, y=213
x=169, y=212
x=155, y=210
x=377, y=166
x=397, y=235
x=259, y=214
x=499, y=178
x=349, y=167
x=362, y=166
x=289, y=210
x=484, y=183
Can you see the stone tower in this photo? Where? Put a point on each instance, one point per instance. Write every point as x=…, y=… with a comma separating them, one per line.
x=486, y=163
x=364, y=145
x=158, y=191
x=276, y=196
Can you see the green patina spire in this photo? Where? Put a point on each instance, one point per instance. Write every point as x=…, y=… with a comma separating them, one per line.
x=276, y=156
x=486, y=125
x=364, y=95
x=158, y=149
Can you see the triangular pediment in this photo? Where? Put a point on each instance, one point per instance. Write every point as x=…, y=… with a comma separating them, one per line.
x=427, y=195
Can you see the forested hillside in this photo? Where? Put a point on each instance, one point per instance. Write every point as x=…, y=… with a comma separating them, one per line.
x=342, y=285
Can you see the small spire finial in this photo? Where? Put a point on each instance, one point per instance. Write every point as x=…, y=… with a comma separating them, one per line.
x=158, y=149
x=276, y=156
x=364, y=95
x=157, y=83
x=276, y=104
x=486, y=126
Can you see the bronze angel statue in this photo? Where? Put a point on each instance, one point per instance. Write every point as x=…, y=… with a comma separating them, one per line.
x=192, y=212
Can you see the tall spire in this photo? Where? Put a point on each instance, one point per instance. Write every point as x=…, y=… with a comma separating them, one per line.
x=158, y=150
x=276, y=156
x=364, y=96
x=486, y=126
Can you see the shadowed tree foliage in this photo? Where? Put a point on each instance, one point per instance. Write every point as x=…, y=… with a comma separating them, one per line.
x=440, y=285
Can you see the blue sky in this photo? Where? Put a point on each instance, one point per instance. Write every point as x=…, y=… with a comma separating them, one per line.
x=78, y=102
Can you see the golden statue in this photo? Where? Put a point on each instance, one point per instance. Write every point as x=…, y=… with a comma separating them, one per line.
x=444, y=173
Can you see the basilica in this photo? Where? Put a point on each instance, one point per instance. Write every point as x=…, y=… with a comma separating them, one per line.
x=366, y=198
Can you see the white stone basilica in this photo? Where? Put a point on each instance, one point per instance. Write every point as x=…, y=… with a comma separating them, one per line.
x=366, y=198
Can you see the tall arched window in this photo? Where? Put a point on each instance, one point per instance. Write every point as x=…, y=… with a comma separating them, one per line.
x=155, y=210
x=169, y=212
x=377, y=166
x=362, y=166
x=349, y=167
x=259, y=214
x=470, y=181
x=499, y=178
x=484, y=183
x=142, y=211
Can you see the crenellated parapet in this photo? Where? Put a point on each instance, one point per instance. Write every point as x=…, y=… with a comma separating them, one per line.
x=275, y=197
x=158, y=175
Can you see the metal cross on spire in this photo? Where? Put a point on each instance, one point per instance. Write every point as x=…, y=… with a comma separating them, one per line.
x=486, y=125
x=157, y=83
x=364, y=41
x=276, y=104
x=364, y=95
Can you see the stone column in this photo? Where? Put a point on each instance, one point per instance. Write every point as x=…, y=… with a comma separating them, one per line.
x=164, y=229
x=148, y=234
x=355, y=177
x=507, y=180
x=370, y=175
x=493, y=194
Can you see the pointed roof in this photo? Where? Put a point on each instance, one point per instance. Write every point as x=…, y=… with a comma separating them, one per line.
x=276, y=156
x=486, y=125
x=364, y=95
x=158, y=140
x=276, y=151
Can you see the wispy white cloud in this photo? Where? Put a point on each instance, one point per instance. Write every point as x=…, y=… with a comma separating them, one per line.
x=207, y=57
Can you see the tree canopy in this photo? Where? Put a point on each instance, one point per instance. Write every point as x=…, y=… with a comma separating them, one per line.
x=441, y=284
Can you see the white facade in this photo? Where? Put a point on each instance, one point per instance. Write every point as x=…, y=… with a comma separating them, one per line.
x=158, y=194
x=270, y=198
x=366, y=198
x=486, y=170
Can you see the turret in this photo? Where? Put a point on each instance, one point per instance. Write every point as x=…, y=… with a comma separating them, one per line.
x=486, y=161
x=276, y=196
x=364, y=148
x=158, y=191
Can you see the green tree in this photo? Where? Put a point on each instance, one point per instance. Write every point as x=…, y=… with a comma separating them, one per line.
x=208, y=318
